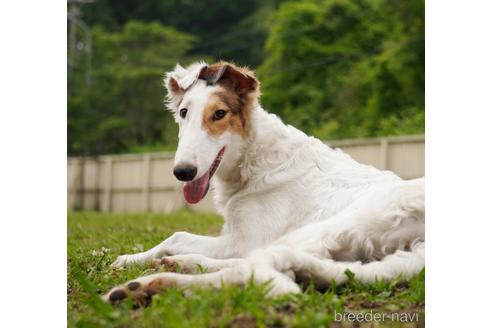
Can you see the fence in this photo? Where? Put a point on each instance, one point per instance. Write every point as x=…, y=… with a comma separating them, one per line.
x=145, y=183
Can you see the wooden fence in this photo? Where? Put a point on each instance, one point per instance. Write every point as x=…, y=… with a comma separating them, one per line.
x=145, y=183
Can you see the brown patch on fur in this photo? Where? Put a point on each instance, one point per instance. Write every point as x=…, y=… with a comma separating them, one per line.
x=171, y=266
x=233, y=120
x=239, y=79
x=159, y=284
x=240, y=90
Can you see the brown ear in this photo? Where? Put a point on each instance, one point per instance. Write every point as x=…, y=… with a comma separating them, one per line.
x=174, y=92
x=239, y=79
x=173, y=86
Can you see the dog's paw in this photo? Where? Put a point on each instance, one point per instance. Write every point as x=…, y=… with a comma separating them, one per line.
x=130, y=259
x=140, y=291
x=121, y=261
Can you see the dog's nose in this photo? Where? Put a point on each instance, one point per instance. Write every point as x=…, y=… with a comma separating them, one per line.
x=185, y=172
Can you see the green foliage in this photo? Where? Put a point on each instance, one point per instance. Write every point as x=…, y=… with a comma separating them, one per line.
x=333, y=68
x=347, y=68
x=95, y=239
x=123, y=107
x=223, y=28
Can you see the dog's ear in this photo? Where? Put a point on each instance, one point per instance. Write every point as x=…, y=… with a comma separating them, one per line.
x=178, y=81
x=173, y=87
x=239, y=79
x=174, y=91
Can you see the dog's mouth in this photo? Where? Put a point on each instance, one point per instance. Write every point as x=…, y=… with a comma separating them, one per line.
x=194, y=191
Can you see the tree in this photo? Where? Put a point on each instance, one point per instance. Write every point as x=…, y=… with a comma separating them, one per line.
x=347, y=68
x=124, y=107
x=217, y=24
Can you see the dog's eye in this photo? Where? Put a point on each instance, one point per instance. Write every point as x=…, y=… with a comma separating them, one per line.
x=218, y=115
x=182, y=112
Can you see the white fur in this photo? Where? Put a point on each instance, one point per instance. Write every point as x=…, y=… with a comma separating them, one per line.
x=293, y=208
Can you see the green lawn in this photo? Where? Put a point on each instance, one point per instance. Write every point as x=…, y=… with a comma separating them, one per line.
x=95, y=239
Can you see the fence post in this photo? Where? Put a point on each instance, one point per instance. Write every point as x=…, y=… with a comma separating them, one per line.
x=80, y=189
x=146, y=183
x=108, y=182
x=384, y=154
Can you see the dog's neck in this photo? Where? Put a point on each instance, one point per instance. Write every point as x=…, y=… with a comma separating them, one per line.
x=266, y=141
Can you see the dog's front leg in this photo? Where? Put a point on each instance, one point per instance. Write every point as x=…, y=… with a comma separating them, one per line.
x=183, y=243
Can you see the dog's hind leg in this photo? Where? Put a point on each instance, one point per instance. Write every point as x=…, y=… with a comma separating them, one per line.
x=402, y=264
x=142, y=289
x=324, y=271
x=192, y=263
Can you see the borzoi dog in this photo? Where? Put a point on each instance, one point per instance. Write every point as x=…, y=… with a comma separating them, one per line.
x=294, y=209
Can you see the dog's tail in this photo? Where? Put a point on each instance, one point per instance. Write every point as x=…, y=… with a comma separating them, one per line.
x=404, y=264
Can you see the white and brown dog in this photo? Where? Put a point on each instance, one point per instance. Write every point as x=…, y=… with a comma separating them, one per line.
x=293, y=208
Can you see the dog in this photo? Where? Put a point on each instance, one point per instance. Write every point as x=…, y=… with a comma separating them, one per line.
x=294, y=209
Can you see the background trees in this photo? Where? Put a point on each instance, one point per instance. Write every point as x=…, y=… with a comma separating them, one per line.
x=347, y=68
x=122, y=109
x=334, y=68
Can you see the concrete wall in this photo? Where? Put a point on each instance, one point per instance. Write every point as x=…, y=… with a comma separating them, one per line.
x=145, y=183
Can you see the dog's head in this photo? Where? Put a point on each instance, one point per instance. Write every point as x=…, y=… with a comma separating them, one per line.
x=212, y=105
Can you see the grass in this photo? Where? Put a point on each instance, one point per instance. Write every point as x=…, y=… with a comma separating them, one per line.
x=95, y=239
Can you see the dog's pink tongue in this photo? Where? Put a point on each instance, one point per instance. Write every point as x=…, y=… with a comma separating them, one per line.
x=195, y=191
